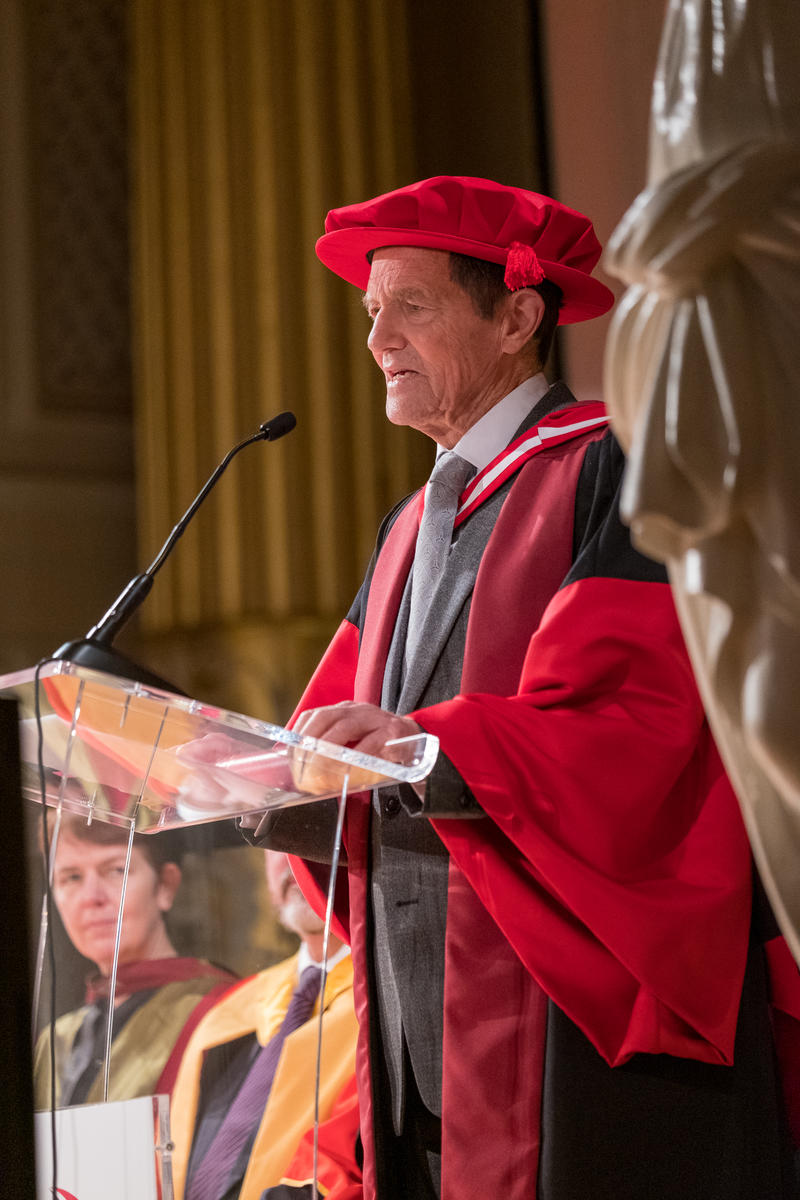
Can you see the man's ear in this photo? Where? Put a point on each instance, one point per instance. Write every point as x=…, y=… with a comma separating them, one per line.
x=522, y=316
x=169, y=880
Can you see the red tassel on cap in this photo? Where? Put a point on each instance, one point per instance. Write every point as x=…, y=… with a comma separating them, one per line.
x=523, y=268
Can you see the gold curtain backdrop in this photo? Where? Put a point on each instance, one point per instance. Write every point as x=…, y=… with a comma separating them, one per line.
x=250, y=118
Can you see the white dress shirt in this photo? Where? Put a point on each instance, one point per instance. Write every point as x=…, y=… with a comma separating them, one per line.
x=304, y=958
x=484, y=440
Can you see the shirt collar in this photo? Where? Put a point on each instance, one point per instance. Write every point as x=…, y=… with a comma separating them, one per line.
x=304, y=959
x=484, y=440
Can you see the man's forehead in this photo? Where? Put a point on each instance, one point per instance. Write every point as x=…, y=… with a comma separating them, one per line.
x=409, y=267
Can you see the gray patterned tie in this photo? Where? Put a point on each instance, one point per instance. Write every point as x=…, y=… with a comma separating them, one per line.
x=445, y=485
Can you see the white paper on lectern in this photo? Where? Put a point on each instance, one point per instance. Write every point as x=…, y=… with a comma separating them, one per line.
x=105, y=1152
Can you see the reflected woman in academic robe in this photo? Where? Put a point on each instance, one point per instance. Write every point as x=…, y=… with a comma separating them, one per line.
x=159, y=996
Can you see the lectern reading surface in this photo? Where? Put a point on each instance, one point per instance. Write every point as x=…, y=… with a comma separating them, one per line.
x=119, y=751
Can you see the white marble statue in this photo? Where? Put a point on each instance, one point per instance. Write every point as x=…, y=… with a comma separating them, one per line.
x=702, y=376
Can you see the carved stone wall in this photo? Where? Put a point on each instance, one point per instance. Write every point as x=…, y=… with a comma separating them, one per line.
x=66, y=470
x=66, y=455
x=77, y=108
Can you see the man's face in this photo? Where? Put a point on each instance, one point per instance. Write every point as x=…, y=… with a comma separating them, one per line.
x=444, y=364
x=87, y=884
x=294, y=911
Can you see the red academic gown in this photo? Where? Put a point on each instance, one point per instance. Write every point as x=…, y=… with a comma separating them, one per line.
x=611, y=875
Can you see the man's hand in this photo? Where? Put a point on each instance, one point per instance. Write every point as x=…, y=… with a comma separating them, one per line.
x=363, y=727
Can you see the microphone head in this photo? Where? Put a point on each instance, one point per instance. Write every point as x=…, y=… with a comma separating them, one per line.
x=278, y=426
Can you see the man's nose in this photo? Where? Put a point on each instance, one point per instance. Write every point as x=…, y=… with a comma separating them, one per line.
x=386, y=333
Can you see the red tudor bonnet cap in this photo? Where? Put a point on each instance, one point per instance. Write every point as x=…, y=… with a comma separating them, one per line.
x=534, y=237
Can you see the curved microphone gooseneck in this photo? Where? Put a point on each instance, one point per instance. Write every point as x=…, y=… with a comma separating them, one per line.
x=95, y=649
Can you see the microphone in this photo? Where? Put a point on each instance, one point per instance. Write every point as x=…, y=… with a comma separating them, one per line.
x=95, y=649
x=276, y=428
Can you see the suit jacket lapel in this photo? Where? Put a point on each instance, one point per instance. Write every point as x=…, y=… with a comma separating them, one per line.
x=455, y=588
x=385, y=594
x=454, y=591
x=458, y=581
x=380, y=651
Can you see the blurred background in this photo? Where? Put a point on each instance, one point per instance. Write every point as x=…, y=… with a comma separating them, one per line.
x=167, y=166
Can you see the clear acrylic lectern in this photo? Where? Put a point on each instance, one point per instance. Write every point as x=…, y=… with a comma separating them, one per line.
x=106, y=748
x=123, y=752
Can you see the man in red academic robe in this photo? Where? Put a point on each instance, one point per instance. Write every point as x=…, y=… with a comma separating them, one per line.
x=559, y=971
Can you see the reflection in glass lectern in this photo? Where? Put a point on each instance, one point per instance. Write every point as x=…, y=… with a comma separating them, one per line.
x=117, y=751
